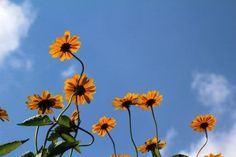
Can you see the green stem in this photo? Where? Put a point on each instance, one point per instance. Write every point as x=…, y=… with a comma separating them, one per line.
x=36, y=139
x=47, y=134
x=203, y=144
x=155, y=122
x=113, y=143
x=63, y=111
x=68, y=105
x=82, y=64
x=76, y=130
x=131, y=134
x=85, y=145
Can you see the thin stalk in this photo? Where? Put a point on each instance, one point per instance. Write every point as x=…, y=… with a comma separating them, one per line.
x=82, y=64
x=155, y=122
x=85, y=145
x=76, y=130
x=51, y=127
x=36, y=139
x=203, y=144
x=113, y=143
x=46, y=138
x=131, y=134
x=68, y=105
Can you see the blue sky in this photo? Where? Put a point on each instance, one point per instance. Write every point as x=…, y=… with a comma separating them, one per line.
x=185, y=49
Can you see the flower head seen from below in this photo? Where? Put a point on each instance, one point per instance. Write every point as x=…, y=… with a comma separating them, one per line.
x=74, y=116
x=126, y=101
x=120, y=155
x=203, y=123
x=151, y=144
x=3, y=114
x=212, y=155
x=63, y=47
x=150, y=99
x=84, y=89
x=45, y=103
x=104, y=125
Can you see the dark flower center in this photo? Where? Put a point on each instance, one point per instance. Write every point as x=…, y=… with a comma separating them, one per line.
x=150, y=102
x=204, y=125
x=127, y=103
x=151, y=147
x=80, y=90
x=104, y=126
x=46, y=104
x=65, y=47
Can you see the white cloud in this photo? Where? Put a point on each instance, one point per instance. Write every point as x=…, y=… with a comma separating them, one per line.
x=213, y=91
x=170, y=135
x=216, y=92
x=69, y=72
x=15, y=21
x=219, y=142
x=17, y=63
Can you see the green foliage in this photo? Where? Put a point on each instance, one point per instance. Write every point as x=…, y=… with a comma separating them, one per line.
x=39, y=120
x=179, y=155
x=156, y=153
x=65, y=121
x=61, y=147
x=69, y=138
x=28, y=154
x=8, y=147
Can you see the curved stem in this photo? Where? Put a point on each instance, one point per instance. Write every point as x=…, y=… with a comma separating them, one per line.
x=85, y=145
x=46, y=138
x=36, y=139
x=131, y=134
x=113, y=143
x=155, y=121
x=51, y=127
x=82, y=64
x=68, y=105
x=203, y=144
x=76, y=130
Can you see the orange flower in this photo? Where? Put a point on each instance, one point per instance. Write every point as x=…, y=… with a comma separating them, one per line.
x=104, y=125
x=126, y=101
x=212, y=155
x=120, y=155
x=45, y=102
x=152, y=98
x=151, y=144
x=83, y=89
x=3, y=114
x=63, y=47
x=74, y=116
x=203, y=122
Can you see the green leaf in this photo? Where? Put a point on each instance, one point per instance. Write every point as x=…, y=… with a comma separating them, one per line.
x=43, y=153
x=53, y=137
x=62, y=129
x=28, y=154
x=62, y=147
x=69, y=138
x=179, y=155
x=39, y=120
x=156, y=153
x=65, y=121
x=8, y=147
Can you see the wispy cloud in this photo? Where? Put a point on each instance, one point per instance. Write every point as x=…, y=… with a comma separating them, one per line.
x=15, y=21
x=170, y=135
x=217, y=93
x=213, y=90
x=219, y=142
x=17, y=63
x=68, y=72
